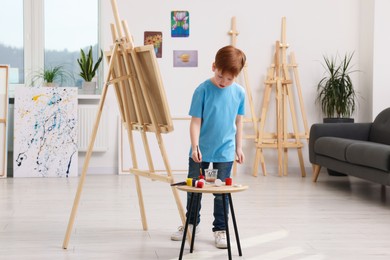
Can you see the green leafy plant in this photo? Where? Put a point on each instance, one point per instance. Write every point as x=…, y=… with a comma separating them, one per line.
x=336, y=93
x=51, y=74
x=87, y=66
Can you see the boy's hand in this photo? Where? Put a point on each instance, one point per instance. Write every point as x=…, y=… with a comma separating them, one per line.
x=240, y=156
x=196, y=155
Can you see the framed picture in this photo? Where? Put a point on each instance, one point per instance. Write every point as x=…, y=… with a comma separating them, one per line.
x=45, y=132
x=185, y=58
x=155, y=39
x=180, y=24
x=3, y=119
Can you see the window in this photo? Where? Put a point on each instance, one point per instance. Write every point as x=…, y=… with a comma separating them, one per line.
x=70, y=26
x=11, y=39
x=45, y=33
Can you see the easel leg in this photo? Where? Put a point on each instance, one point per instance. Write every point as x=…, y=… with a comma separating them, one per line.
x=85, y=166
x=141, y=202
x=234, y=168
x=256, y=164
x=301, y=163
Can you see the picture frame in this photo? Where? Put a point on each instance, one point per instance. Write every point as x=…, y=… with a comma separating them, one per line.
x=4, y=69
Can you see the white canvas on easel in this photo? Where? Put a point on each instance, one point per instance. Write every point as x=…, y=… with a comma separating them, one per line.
x=3, y=119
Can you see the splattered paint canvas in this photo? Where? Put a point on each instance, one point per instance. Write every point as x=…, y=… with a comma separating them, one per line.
x=45, y=132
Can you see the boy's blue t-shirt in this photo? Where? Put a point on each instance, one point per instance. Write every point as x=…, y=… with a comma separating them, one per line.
x=218, y=109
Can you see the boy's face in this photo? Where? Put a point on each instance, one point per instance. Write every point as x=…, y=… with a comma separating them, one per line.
x=222, y=80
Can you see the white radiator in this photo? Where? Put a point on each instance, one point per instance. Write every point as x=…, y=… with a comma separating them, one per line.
x=86, y=121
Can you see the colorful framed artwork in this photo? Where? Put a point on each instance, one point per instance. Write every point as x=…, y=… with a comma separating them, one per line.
x=155, y=39
x=45, y=132
x=183, y=58
x=180, y=24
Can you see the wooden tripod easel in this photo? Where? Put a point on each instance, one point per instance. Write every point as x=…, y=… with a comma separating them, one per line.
x=134, y=73
x=252, y=119
x=278, y=78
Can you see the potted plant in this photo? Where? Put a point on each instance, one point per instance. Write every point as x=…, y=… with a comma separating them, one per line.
x=336, y=93
x=88, y=69
x=52, y=76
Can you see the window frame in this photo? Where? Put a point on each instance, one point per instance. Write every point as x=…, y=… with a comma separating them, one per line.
x=34, y=40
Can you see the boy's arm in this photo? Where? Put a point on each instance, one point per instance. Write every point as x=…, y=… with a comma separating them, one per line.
x=239, y=152
x=194, y=135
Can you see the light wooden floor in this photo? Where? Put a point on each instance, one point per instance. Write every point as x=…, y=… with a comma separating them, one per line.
x=278, y=218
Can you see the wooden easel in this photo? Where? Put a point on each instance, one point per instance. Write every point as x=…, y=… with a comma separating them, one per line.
x=134, y=73
x=278, y=78
x=252, y=119
x=4, y=118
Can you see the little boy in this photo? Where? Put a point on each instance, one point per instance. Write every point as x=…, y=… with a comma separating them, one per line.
x=216, y=111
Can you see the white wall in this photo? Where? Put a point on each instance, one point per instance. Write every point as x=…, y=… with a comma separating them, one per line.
x=381, y=61
x=314, y=29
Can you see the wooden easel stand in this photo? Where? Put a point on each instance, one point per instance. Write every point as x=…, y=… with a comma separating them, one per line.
x=279, y=80
x=138, y=87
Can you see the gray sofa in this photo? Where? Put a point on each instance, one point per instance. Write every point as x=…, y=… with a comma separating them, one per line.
x=357, y=149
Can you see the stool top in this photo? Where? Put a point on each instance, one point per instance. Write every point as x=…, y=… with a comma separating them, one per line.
x=211, y=188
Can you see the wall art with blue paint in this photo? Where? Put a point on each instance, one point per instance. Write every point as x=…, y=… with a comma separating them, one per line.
x=45, y=132
x=180, y=24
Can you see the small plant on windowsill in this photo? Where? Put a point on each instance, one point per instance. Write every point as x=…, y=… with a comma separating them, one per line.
x=88, y=69
x=52, y=76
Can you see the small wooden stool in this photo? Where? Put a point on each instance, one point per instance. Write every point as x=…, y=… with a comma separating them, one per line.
x=210, y=188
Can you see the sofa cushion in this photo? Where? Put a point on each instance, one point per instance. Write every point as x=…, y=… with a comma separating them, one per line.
x=380, y=129
x=369, y=154
x=333, y=147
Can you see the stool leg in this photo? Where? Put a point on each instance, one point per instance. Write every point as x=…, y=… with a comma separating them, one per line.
x=195, y=220
x=227, y=225
x=235, y=224
x=186, y=228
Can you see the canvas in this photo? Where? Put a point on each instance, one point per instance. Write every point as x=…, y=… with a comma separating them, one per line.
x=45, y=132
x=155, y=39
x=185, y=58
x=3, y=119
x=180, y=24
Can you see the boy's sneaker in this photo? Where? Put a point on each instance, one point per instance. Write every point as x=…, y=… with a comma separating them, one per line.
x=178, y=235
x=220, y=239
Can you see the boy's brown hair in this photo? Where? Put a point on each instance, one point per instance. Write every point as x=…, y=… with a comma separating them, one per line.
x=230, y=59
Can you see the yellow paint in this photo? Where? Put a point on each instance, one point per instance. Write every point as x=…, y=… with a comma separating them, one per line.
x=35, y=98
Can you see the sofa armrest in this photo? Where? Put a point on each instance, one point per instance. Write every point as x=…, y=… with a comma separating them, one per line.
x=356, y=131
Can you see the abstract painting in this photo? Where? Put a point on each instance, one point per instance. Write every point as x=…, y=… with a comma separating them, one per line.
x=180, y=24
x=155, y=39
x=45, y=132
x=183, y=58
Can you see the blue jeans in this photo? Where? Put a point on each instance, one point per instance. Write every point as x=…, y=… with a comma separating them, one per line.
x=224, y=170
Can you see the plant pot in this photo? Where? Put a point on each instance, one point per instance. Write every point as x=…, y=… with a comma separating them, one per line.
x=338, y=120
x=89, y=87
x=50, y=84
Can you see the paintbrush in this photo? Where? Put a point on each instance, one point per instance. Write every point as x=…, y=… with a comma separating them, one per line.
x=200, y=165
